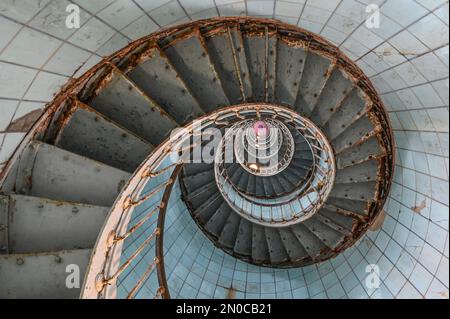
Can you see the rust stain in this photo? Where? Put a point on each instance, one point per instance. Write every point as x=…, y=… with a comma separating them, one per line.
x=378, y=221
x=24, y=123
x=418, y=208
x=231, y=294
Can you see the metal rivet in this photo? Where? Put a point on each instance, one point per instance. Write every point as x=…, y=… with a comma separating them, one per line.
x=20, y=261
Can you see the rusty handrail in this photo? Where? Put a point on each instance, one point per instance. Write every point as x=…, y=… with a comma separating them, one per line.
x=161, y=272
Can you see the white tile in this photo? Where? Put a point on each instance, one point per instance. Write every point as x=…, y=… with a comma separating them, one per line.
x=205, y=14
x=431, y=4
x=333, y=35
x=260, y=8
x=195, y=6
x=329, y=5
x=67, y=60
x=27, y=48
x=387, y=27
x=93, y=60
x=427, y=96
x=407, y=44
x=431, y=67
x=92, y=35
x=395, y=281
x=393, y=78
x=352, y=9
x=310, y=25
x=168, y=13
x=114, y=44
x=23, y=10
x=431, y=31
x=26, y=107
x=288, y=9
x=232, y=9
x=14, y=80
x=354, y=48
x=7, y=109
x=421, y=279
x=151, y=5
x=314, y=14
x=439, y=214
x=403, y=12
x=440, y=190
x=9, y=29
x=442, y=13
x=409, y=292
x=290, y=20
x=437, y=166
x=437, y=291
x=410, y=74
x=94, y=6
x=442, y=89
x=120, y=14
x=10, y=143
x=52, y=19
x=443, y=54
x=45, y=86
x=139, y=28
x=389, y=54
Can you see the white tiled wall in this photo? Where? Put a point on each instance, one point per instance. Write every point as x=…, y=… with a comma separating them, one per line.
x=407, y=58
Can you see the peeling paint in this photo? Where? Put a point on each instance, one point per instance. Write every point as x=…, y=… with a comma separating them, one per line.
x=24, y=123
x=418, y=208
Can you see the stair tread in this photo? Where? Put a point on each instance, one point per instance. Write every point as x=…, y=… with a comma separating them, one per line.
x=123, y=102
x=61, y=175
x=158, y=78
x=89, y=134
x=39, y=224
x=41, y=275
x=193, y=64
x=290, y=65
x=316, y=73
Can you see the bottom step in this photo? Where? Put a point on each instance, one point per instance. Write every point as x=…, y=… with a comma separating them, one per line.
x=44, y=275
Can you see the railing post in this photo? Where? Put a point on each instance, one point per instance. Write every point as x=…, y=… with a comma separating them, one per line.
x=159, y=247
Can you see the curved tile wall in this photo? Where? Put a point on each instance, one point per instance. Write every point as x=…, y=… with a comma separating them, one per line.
x=407, y=59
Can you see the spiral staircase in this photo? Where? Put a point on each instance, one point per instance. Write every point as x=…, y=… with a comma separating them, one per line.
x=79, y=187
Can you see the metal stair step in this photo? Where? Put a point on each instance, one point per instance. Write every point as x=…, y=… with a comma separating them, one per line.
x=192, y=62
x=334, y=93
x=290, y=64
x=315, y=74
x=230, y=230
x=260, y=251
x=90, y=134
x=40, y=224
x=364, y=172
x=156, y=76
x=217, y=222
x=122, y=101
x=294, y=249
x=50, y=172
x=243, y=244
x=277, y=252
x=43, y=275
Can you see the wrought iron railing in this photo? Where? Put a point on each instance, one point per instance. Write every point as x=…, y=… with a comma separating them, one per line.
x=304, y=201
x=129, y=251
